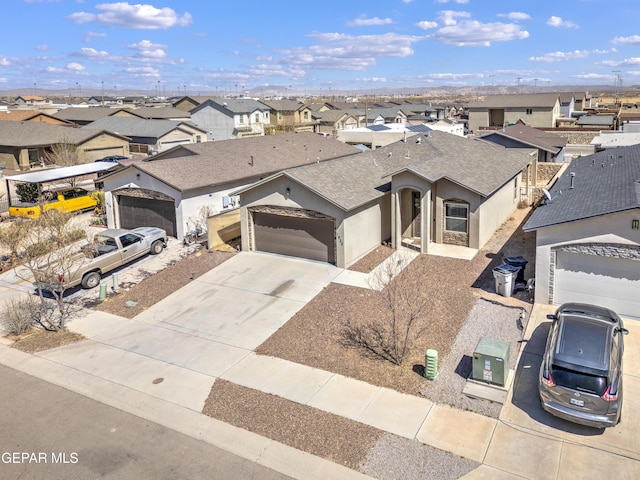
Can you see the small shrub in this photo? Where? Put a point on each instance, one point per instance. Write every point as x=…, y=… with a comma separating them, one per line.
x=27, y=192
x=18, y=315
x=38, y=249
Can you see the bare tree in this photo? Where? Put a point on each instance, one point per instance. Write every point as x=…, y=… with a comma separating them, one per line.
x=390, y=333
x=64, y=153
x=49, y=257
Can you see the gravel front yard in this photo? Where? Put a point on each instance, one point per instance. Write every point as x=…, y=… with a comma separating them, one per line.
x=462, y=306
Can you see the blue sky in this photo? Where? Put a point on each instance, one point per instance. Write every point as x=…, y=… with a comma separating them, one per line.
x=227, y=46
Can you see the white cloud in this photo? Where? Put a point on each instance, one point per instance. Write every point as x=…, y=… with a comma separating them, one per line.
x=560, y=56
x=448, y=17
x=453, y=76
x=4, y=62
x=560, y=23
x=43, y=47
x=92, y=53
x=372, y=80
x=76, y=67
x=89, y=35
x=149, y=50
x=426, y=25
x=141, y=17
x=627, y=62
x=363, y=21
x=631, y=40
x=452, y=1
x=142, y=72
x=515, y=16
x=338, y=51
x=471, y=33
x=593, y=76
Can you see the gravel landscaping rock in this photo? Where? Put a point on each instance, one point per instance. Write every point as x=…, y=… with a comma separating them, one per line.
x=396, y=458
x=488, y=318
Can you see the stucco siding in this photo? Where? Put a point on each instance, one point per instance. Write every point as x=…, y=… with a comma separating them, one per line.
x=609, y=229
x=496, y=209
x=446, y=190
x=364, y=230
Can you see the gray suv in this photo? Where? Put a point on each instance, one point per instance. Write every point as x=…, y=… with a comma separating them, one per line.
x=581, y=373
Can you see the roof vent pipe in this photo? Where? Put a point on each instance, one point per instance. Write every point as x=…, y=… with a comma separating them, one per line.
x=251, y=162
x=573, y=176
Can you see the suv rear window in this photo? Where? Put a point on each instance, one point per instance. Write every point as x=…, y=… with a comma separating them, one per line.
x=582, y=382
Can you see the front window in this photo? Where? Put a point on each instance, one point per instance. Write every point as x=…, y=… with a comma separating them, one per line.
x=257, y=118
x=242, y=118
x=456, y=217
x=306, y=116
x=529, y=111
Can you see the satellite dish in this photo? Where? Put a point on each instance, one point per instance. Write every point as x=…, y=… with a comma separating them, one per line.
x=546, y=194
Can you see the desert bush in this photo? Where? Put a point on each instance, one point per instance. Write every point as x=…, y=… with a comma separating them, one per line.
x=27, y=192
x=18, y=315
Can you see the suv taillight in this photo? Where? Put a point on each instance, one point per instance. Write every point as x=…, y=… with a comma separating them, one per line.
x=608, y=396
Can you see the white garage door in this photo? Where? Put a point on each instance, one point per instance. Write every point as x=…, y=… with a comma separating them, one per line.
x=607, y=281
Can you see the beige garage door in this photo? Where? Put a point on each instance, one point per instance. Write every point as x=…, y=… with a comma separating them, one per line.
x=293, y=236
x=607, y=281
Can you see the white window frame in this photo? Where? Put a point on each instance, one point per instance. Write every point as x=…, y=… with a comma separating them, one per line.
x=447, y=217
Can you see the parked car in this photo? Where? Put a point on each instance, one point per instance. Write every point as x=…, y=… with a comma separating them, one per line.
x=581, y=373
x=109, y=250
x=65, y=200
x=113, y=158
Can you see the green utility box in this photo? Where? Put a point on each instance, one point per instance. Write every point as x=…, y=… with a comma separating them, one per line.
x=491, y=361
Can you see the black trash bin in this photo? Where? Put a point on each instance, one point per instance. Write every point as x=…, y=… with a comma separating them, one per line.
x=519, y=262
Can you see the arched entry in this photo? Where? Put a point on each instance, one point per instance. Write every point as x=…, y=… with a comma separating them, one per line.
x=411, y=224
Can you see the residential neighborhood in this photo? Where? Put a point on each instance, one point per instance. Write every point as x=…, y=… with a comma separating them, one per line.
x=334, y=275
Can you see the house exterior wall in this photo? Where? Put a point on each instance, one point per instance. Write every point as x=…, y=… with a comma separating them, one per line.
x=103, y=145
x=607, y=229
x=539, y=116
x=218, y=125
x=358, y=232
x=188, y=204
x=478, y=118
x=364, y=229
x=495, y=210
x=175, y=137
x=445, y=190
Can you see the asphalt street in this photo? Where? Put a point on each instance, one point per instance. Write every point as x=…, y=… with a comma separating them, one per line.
x=49, y=432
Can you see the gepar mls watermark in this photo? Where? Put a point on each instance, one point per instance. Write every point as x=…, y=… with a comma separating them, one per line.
x=53, y=458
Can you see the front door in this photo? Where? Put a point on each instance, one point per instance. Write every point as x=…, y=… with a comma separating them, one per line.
x=416, y=223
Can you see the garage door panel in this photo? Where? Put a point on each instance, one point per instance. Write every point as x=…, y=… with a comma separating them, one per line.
x=607, y=281
x=293, y=236
x=138, y=212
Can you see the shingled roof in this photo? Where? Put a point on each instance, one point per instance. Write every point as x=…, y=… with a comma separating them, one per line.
x=33, y=134
x=197, y=165
x=531, y=136
x=138, y=127
x=603, y=183
x=356, y=180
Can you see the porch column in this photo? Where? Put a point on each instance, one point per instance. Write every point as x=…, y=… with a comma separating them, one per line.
x=426, y=211
x=396, y=218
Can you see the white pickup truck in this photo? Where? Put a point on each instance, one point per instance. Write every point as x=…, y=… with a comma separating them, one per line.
x=109, y=250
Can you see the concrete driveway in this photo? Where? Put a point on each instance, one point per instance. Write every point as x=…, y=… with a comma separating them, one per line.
x=565, y=449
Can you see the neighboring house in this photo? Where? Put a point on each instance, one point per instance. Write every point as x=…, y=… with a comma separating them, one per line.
x=588, y=234
x=32, y=100
x=567, y=104
x=163, y=113
x=170, y=189
x=376, y=136
x=447, y=125
x=151, y=136
x=188, y=103
x=613, y=139
x=228, y=118
x=31, y=116
x=83, y=115
x=377, y=116
x=290, y=116
x=104, y=100
x=603, y=121
x=548, y=146
x=536, y=110
x=26, y=144
x=431, y=189
x=332, y=121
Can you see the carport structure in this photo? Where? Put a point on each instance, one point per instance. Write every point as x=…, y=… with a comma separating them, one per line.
x=56, y=175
